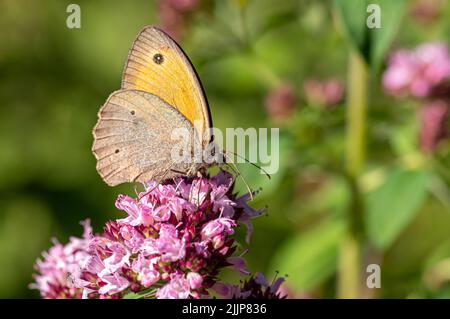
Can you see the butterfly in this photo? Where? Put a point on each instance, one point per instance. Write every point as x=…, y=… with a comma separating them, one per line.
x=160, y=92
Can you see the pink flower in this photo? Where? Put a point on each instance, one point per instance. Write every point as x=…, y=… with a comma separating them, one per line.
x=261, y=280
x=327, y=93
x=280, y=103
x=219, y=226
x=222, y=204
x=173, y=15
x=195, y=280
x=130, y=206
x=169, y=245
x=239, y=264
x=177, y=288
x=148, y=277
x=114, y=284
x=198, y=192
x=426, y=11
x=146, y=268
x=133, y=238
x=54, y=277
x=162, y=213
x=433, y=118
x=247, y=215
x=176, y=238
x=120, y=257
x=227, y=291
x=417, y=72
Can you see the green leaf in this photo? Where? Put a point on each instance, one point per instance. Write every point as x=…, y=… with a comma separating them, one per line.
x=353, y=18
x=373, y=43
x=381, y=39
x=391, y=207
x=140, y=295
x=310, y=257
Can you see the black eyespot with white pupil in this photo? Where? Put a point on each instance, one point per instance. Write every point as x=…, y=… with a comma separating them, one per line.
x=158, y=58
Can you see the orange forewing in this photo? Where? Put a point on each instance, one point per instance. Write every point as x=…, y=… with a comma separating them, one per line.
x=172, y=77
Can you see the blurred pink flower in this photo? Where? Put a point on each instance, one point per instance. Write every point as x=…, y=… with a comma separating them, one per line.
x=417, y=72
x=174, y=14
x=280, y=103
x=434, y=125
x=426, y=11
x=327, y=93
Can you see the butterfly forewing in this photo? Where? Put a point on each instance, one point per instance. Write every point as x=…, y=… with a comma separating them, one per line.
x=156, y=64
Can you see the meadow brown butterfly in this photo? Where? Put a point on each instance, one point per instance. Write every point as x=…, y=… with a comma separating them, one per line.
x=160, y=92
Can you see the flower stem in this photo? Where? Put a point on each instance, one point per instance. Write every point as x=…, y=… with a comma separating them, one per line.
x=350, y=267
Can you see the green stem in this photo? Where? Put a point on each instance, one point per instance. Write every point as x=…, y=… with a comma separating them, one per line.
x=349, y=281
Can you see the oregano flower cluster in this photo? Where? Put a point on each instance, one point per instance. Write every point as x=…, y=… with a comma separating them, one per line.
x=172, y=243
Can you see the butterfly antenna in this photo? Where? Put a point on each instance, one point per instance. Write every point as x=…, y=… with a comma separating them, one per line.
x=235, y=173
x=239, y=174
x=257, y=166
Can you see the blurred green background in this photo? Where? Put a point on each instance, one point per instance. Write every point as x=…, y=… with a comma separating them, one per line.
x=53, y=80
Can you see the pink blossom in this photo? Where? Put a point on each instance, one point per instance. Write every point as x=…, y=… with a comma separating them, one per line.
x=247, y=215
x=162, y=213
x=146, y=268
x=195, y=280
x=417, y=72
x=222, y=204
x=120, y=257
x=433, y=119
x=148, y=277
x=239, y=264
x=323, y=93
x=133, y=238
x=114, y=284
x=173, y=15
x=261, y=280
x=169, y=245
x=130, y=206
x=280, y=103
x=199, y=190
x=227, y=291
x=218, y=226
x=54, y=272
x=426, y=11
x=177, y=288
x=176, y=238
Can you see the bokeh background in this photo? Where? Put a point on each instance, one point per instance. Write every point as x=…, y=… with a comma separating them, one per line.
x=364, y=170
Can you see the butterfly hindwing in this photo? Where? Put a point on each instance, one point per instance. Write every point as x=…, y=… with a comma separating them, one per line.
x=132, y=138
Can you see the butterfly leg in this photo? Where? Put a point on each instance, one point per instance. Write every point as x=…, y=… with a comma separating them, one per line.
x=179, y=172
x=157, y=182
